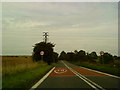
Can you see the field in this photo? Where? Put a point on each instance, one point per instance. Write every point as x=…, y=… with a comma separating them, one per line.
x=21, y=71
x=13, y=64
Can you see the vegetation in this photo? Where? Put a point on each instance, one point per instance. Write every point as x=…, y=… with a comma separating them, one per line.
x=89, y=57
x=49, y=55
x=22, y=72
x=14, y=64
x=106, y=62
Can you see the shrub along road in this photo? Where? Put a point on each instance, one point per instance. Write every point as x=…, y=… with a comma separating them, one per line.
x=67, y=75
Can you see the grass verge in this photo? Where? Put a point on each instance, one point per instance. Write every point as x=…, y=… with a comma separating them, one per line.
x=26, y=78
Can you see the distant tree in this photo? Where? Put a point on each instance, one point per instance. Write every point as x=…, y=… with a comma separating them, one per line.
x=93, y=56
x=76, y=52
x=115, y=57
x=48, y=52
x=88, y=57
x=117, y=61
x=55, y=57
x=70, y=56
x=62, y=55
x=76, y=55
x=107, y=58
x=82, y=55
x=118, y=57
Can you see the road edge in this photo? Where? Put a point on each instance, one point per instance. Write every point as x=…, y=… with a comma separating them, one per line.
x=41, y=80
x=101, y=72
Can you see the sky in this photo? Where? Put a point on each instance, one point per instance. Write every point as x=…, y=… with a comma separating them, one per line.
x=88, y=26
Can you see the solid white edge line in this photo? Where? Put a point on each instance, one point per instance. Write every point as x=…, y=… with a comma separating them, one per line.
x=42, y=79
x=101, y=72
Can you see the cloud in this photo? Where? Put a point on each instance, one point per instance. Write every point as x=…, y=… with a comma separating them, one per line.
x=14, y=23
x=90, y=25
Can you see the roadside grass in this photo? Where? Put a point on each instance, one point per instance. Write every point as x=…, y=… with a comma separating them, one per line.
x=25, y=79
x=107, y=68
x=13, y=64
x=22, y=74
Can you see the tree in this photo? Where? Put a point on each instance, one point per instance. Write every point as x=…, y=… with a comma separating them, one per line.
x=76, y=52
x=62, y=55
x=76, y=55
x=107, y=58
x=70, y=56
x=55, y=57
x=48, y=52
x=82, y=55
x=93, y=56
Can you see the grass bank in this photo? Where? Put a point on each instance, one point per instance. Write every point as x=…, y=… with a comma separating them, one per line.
x=107, y=68
x=21, y=72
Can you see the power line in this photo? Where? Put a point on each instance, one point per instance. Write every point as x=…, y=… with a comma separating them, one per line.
x=45, y=35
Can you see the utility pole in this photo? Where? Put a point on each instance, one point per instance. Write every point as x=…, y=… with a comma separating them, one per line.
x=45, y=35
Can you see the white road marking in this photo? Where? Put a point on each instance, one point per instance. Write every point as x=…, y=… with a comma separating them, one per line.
x=60, y=71
x=41, y=80
x=101, y=72
x=91, y=83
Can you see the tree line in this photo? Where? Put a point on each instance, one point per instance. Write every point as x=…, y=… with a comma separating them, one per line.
x=50, y=56
x=92, y=57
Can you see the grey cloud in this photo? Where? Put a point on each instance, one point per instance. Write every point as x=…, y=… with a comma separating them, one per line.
x=79, y=23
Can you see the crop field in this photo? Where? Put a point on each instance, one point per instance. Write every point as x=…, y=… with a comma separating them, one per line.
x=21, y=71
x=14, y=64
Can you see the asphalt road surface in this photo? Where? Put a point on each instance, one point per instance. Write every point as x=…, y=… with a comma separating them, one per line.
x=66, y=75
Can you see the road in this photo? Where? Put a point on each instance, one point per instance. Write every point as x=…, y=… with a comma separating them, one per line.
x=67, y=75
